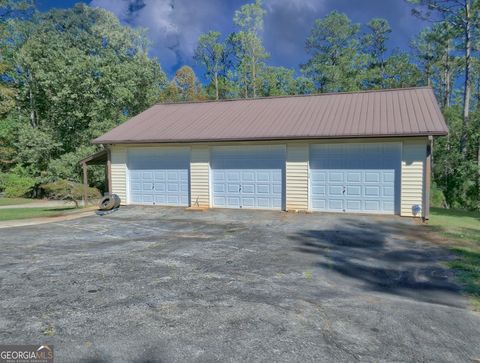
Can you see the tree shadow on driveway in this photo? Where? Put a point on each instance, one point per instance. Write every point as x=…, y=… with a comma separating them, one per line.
x=388, y=257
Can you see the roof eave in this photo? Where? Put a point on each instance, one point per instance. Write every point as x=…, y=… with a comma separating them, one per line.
x=275, y=138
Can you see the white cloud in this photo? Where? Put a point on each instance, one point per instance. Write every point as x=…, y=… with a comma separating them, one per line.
x=173, y=25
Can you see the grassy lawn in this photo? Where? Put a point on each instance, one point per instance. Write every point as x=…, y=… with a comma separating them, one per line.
x=462, y=230
x=13, y=201
x=9, y=214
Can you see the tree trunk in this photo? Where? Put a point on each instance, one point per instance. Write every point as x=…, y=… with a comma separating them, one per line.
x=254, y=87
x=447, y=82
x=33, y=116
x=467, y=84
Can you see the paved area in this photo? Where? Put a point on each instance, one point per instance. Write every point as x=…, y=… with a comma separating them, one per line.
x=158, y=284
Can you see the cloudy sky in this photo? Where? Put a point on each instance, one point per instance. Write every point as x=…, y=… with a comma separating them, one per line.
x=174, y=25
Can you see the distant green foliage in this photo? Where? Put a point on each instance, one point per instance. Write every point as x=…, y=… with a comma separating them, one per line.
x=69, y=191
x=15, y=186
x=437, y=198
x=76, y=74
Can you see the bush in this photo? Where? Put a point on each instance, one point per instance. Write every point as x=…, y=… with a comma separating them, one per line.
x=437, y=198
x=67, y=190
x=16, y=186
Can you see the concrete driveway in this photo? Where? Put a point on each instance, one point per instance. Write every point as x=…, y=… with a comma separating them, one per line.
x=158, y=284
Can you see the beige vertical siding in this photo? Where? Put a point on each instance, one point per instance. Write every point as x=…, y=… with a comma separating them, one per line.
x=119, y=172
x=413, y=163
x=297, y=176
x=199, y=176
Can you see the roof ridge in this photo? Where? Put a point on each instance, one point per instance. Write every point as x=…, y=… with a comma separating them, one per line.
x=297, y=96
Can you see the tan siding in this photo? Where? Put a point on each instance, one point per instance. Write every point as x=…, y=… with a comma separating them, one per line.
x=297, y=176
x=119, y=172
x=413, y=163
x=199, y=176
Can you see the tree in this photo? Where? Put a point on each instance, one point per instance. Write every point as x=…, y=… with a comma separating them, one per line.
x=433, y=48
x=248, y=45
x=400, y=72
x=213, y=55
x=277, y=81
x=186, y=83
x=77, y=73
x=375, y=45
x=464, y=15
x=336, y=63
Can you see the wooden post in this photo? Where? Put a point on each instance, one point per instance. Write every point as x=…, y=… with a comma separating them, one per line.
x=85, y=184
x=109, y=171
x=428, y=177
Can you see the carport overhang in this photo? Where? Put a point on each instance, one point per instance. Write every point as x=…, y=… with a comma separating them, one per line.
x=102, y=157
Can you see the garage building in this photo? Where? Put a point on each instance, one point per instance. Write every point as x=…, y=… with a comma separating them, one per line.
x=363, y=152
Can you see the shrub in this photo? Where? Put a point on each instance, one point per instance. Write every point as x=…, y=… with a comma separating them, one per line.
x=16, y=186
x=67, y=190
x=437, y=198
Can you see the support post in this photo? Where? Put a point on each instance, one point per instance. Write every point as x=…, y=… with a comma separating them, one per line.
x=428, y=180
x=85, y=184
x=109, y=171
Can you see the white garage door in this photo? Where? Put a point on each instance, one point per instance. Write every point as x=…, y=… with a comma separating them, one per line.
x=159, y=176
x=248, y=177
x=361, y=178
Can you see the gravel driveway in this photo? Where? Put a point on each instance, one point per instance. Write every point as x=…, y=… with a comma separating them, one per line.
x=164, y=284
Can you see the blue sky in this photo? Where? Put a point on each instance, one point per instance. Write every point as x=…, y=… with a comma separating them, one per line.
x=174, y=25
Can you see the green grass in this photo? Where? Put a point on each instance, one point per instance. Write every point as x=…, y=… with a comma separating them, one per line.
x=9, y=214
x=462, y=231
x=13, y=201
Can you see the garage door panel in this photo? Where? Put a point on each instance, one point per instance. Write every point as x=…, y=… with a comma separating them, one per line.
x=233, y=176
x=160, y=187
x=372, y=177
x=372, y=205
x=218, y=188
x=233, y=188
x=357, y=177
x=253, y=176
x=335, y=190
x=248, y=188
x=147, y=175
x=220, y=201
x=163, y=175
x=372, y=191
x=335, y=204
x=233, y=201
x=389, y=191
x=355, y=205
x=388, y=177
x=248, y=202
x=335, y=177
x=319, y=190
x=248, y=176
x=354, y=190
x=319, y=204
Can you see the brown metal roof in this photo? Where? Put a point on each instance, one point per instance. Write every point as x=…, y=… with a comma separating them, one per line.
x=397, y=112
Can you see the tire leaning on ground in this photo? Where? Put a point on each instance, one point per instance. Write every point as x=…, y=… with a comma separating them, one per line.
x=117, y=200
x=109, y=202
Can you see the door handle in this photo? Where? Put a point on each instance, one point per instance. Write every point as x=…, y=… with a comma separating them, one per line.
x=239, y=188
x=343, y=190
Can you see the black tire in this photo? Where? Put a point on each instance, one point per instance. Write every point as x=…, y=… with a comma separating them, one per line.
x=117, y=200
x=107, y=203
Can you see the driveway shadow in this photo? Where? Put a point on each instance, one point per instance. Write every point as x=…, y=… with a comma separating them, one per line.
x=388, y=257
